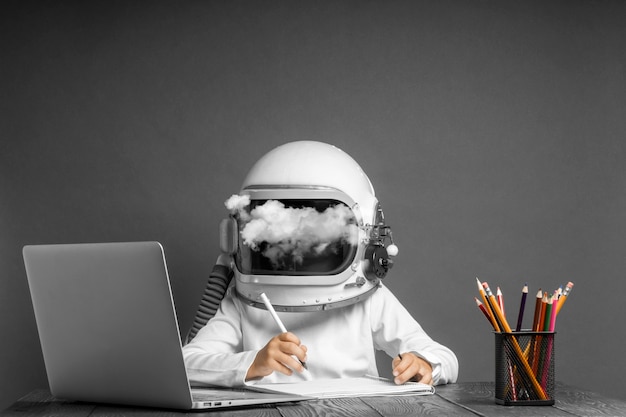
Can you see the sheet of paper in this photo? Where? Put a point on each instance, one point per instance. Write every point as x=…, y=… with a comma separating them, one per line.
x=346, y=387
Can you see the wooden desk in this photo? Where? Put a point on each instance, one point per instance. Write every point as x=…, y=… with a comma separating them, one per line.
x=463, y=399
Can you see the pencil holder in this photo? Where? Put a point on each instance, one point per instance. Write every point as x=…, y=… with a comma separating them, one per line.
x=525, y=368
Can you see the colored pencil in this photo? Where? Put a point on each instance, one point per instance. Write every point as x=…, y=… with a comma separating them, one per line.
x=500, y=299
x=552, y=324
x=548, y=355
x=542, y=314
x=485, y=312
x=563, y=298
x=548, y=314
x=520, y=315
x=537, y=310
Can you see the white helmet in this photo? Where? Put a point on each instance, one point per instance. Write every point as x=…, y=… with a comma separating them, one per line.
x=307, y=230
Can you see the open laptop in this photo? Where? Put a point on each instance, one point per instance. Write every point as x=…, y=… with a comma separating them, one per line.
x=108, y=328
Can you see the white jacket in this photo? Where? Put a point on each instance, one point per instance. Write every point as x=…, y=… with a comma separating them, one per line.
x=341, y=342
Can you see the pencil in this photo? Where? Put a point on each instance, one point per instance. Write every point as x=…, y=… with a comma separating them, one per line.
x=546, y=355
x=270, y=308
x=522, y=304
x=534, y=346
x=542, y=314
x=531, y=347
x=548, y=314
x=552, y=325
x=485, y=312
x=563, y=297
x=500, y=299
x=537, y=310
x=277, y=319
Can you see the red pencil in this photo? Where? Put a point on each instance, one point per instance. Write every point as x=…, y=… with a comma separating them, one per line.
x=500, y=299
x=485, y=312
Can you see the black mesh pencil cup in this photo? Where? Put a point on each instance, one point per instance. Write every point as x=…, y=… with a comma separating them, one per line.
x=524, y=368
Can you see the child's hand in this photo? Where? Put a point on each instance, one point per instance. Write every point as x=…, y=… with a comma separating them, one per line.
x=409, y=366
x=280, y=354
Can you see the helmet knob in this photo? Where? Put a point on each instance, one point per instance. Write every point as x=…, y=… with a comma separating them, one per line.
x=392, y=250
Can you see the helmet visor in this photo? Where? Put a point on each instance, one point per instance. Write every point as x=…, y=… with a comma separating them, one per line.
x=296, y=237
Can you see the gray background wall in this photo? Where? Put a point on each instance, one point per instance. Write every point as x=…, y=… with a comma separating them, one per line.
x=493, y=132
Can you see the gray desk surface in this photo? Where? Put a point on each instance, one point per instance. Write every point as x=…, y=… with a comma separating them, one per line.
x=462, y=399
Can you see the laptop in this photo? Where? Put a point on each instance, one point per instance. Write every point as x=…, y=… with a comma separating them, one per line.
x=109, y=332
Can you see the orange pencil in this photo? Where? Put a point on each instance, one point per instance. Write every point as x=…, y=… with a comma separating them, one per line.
x=563, y=296
x=537, y=309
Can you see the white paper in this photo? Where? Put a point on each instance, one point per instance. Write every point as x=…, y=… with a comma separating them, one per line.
x=346, y=387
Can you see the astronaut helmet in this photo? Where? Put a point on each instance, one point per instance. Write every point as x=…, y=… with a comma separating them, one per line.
x=307, y=230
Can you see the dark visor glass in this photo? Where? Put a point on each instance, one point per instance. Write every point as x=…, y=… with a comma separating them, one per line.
x=296, y=237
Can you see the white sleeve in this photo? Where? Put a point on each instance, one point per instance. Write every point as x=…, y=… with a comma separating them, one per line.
x=396, y=331
x=215, y=355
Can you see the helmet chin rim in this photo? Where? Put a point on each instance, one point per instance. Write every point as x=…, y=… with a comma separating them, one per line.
x=304, y=299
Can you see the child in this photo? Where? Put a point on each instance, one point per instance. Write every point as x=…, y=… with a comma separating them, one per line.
x=307, y=232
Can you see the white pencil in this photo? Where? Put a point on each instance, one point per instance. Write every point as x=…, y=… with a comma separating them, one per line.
x=283, y=329
x=270, y=308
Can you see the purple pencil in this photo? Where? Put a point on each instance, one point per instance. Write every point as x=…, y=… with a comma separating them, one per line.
x=520, y=316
